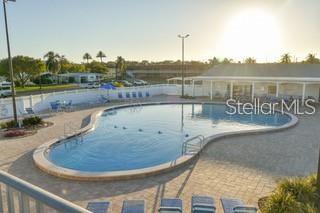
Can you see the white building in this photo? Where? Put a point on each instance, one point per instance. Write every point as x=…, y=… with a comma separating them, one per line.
x=257, y=80
x=81, y=77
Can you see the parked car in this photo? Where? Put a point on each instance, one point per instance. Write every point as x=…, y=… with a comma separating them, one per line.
x=5, y=89
x=138, y=82
x=90, y=85
x=126, y=83
x=117, y=84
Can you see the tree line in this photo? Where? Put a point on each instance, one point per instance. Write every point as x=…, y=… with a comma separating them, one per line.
x=29, y=69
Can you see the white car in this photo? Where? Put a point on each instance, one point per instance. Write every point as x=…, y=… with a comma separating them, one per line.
x=90, y=85
x=138, y=82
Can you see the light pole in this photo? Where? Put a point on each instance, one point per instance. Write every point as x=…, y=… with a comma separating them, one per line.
x=14, y=107
x=182, y=62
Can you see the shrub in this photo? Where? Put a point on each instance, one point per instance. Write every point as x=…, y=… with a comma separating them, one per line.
x=9, y=124
x=293, y=195
x=32, y=121
x=15, y=133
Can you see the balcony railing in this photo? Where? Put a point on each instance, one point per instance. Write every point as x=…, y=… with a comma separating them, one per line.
x=17, y=195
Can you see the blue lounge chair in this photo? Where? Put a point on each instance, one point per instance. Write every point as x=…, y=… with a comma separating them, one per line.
x=55, y=106
x=128, y=95
x=202, y=204
x=98, y=207
x=147, y=94
x=133, y=206
x=134, y=95
x=120, y=96
x=172, y=205
x=29, y=111
x=104, y=100
x=140, y=94
x=236, y=206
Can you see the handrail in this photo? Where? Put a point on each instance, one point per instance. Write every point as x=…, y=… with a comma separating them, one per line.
x=72, y=128
x=188, y=143
x=39, y=195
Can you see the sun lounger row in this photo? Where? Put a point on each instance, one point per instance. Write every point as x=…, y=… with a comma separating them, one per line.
x=199, y=204
x=130, y=95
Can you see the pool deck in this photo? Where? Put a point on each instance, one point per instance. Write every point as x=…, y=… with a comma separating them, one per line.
x=245, y=167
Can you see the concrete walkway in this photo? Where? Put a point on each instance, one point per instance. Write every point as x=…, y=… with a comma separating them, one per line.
x=245, y=167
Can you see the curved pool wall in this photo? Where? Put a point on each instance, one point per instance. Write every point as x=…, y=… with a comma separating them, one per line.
x=52, y=157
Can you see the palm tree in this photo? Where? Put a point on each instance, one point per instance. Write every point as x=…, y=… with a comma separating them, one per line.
x=120, y=66
x=227, y=61
x=87, y=57
x=214, y=61
x=285, y=59
x=311, y=59
x=250, y=60
x=101, y=55
x=52, y=62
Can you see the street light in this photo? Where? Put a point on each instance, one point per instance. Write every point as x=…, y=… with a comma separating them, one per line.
x=14, y=107
x=182, y=62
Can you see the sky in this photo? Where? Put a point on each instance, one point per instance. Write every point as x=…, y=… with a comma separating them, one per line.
x=148, y=29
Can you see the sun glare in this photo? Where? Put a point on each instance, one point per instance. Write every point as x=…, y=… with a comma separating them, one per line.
x=251, y=33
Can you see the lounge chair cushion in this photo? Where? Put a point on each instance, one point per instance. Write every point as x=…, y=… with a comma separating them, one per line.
x=203, y=204
x=236, y=206
x=98, y=207
x=133, y=206
x=170, y=205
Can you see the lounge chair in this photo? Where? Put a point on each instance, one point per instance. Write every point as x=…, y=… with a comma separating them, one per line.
x=133, y=206
x=128, y=96
x=98, y=207
x=120, y=96
x=201, y=204
x=236, y=206
x=140, y=94
x=103, y=99
x=29, y=111
x=172, y=205
x=134, y=95
x=55, y=106
x=147, y=94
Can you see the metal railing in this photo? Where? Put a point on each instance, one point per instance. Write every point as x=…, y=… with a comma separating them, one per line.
x=71, y=128
x=17, y=195
x=193, y=145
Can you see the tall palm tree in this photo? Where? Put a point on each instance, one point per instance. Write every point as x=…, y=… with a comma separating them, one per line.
x=120, y=67
x=101, y=55
x=52, y=62
x=250, y=60
x=87, y=57
x=311, y=59
x=285, y=58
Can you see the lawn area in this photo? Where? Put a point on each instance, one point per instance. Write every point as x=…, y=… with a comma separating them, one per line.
x=46, y=87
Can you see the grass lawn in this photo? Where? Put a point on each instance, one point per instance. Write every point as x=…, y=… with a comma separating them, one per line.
x=46, y=87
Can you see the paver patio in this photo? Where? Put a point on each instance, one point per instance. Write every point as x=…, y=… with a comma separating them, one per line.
x=245, y=167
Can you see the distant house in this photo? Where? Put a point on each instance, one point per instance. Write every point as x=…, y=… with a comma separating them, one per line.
x=256, y=80
x=82, y=77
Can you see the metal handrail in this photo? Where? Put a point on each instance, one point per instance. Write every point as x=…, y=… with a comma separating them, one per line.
x=188, y=143
x=42, y=197
x=72, y=129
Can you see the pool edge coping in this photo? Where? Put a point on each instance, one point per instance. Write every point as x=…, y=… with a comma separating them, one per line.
x=47, y=166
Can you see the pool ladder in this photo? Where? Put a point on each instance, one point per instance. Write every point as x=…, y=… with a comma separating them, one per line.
x=193, y=145
x=71, y=128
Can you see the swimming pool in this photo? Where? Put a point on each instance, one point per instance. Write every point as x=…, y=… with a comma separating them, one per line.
x=137, y=137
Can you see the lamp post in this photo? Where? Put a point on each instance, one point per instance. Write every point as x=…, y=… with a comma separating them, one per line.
x=318, y=175
x=14, y=107
x=182, y=62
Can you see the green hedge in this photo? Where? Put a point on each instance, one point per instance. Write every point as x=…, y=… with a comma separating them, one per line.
x=293, y=195
x=32, y=121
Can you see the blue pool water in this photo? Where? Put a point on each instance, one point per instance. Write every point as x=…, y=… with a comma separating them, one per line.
x=144, y=136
